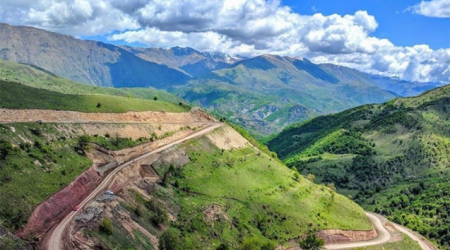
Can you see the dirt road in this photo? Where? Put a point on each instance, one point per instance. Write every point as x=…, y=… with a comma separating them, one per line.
x=424, y=243
x=59, y=116
x=383, y=236
x=55, y=239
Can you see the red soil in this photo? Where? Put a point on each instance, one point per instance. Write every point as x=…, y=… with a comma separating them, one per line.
x=50, y=211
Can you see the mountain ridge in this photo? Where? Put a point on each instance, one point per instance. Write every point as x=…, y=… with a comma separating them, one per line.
x=89, y=62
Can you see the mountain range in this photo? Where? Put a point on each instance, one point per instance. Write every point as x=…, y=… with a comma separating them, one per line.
x=264, y=94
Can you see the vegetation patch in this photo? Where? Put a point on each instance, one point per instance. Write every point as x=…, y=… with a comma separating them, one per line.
x=259, y=201
x=392, y=158
x=18, y=96
x=36, y=161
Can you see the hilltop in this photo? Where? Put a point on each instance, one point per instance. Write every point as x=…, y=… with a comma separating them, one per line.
x=392, y=158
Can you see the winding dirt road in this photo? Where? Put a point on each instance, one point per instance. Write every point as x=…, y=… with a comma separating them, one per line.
x=55, y=239
x=383, y=236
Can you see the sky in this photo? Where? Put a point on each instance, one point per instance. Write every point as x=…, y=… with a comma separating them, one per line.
x=408, y=39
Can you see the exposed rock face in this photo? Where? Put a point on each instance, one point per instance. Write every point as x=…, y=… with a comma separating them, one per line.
x=47, y=213
x=337, y=236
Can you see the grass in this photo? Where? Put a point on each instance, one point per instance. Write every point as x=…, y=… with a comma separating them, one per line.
x=405, y=243
x=392, y=158
x=38, y=78
x=44, y=163
x=260, y=197
x=18, y=96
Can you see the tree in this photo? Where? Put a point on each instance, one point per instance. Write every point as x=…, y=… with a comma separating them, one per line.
x=311, y=177
x=5, y=149
x=169, y=240
x=83, y=143
x=107, y=226
x=223, y=246
x=332, y=189
x=311, y=242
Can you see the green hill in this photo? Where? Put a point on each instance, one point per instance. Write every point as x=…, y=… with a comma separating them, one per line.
x=36, y=77
x=257, y=200
x=393, y=158
x=267, y=93
x=18, y=96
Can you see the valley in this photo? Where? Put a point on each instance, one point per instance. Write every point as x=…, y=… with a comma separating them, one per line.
x=270, y=92
x=258, y=125
x=391, y=158
x=125, y=182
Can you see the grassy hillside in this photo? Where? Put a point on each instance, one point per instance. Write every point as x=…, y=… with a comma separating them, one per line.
x=392, y=158
x=261, y=202
x=18, y=96
x=36, y=161
x=239, y=198
x=267, y=93
x=33, y=76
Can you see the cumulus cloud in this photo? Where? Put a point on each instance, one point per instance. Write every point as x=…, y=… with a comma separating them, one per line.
x=246, y=27
x=434, y=8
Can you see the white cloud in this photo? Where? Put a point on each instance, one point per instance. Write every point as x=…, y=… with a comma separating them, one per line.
x=434, y=8
x=247, y=27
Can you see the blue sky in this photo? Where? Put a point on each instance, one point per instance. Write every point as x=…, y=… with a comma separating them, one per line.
x=403, y=28
x=408, y=39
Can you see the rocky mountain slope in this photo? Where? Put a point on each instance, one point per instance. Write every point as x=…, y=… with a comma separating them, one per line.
x=266, y=93
x=393, y=158
x=87, y=62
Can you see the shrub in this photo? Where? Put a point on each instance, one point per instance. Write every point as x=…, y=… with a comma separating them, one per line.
x=5, y=149
x=223, y=246
x=107, y=226
x=169, y=240
x=83, y=143
x=311, y=242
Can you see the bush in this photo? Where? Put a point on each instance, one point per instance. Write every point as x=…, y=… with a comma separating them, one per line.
x=159, y=216
x=107, y=226
x=5, y=149
x=223, y=246
x=169, y=240
x=311, y=242
x=256, y=244
x=36, y=131
x=83, y=143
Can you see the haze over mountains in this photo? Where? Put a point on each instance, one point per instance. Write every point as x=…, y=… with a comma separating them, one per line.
x=264, y=94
